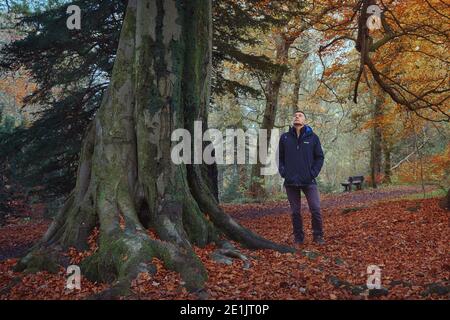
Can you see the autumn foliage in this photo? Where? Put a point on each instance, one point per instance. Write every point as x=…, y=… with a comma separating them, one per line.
x=407, y=239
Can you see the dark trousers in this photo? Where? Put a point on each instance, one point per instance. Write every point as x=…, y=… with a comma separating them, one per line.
x=312, y=197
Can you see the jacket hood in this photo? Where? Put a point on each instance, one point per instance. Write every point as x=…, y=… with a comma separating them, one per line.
x=308, y=130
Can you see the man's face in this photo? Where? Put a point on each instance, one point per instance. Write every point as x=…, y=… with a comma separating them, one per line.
x=299, y=119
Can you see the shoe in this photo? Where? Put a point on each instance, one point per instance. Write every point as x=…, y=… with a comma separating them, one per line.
x=319, y=241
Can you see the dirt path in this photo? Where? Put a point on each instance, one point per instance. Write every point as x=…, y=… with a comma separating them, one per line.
x=340, y=200
x=11, y=246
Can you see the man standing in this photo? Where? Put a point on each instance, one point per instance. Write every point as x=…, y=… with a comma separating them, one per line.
x=300, y=160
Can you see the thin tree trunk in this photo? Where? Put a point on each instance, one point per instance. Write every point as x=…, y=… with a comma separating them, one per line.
x=387, y=161
x=419, y=155
x=375, y=154
x=297, y=82
x=272, y=91
x=447, y=200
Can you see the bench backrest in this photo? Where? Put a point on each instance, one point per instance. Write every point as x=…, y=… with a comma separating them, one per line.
x=356, y=178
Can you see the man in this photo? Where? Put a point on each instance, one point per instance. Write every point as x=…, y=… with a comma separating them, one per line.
x=300, y=160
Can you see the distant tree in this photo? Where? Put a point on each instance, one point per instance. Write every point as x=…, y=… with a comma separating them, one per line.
x=411, y=41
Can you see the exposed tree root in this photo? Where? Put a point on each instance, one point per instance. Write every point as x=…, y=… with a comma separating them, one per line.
x=223, y=221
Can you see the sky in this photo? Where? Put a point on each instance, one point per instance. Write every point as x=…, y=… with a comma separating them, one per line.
x=29, y=5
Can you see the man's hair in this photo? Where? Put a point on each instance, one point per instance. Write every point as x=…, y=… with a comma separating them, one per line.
x=300, y=112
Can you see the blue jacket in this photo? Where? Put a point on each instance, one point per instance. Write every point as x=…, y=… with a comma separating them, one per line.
x=299, y=159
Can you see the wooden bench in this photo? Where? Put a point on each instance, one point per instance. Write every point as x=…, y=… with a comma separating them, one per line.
x=354, y=180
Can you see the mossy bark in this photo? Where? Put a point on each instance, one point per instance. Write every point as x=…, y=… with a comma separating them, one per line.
x=160, y=82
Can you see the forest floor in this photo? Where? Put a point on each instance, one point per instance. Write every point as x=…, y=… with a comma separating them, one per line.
x=407, y=238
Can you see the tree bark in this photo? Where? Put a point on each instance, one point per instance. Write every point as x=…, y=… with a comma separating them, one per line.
x=447, y=200
x=387, y=147
x=272, y=91
x=297, y=81
x=160, y=82
x=375, y=145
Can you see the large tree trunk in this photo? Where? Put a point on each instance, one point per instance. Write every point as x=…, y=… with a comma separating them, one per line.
x=127, y=183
